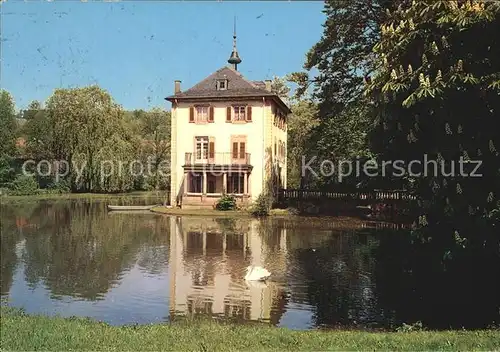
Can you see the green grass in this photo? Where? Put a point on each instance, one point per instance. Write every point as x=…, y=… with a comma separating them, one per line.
x=56, y=196
x=27, y=333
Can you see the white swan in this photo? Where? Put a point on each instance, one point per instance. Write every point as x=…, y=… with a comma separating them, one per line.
x=256, y=273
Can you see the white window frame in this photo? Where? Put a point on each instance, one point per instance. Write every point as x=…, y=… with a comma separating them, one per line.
x=222, y=84
x=201, y=151
x=239, y=113
x=201, y=112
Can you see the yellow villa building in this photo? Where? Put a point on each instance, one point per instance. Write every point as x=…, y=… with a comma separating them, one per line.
x=229, y=135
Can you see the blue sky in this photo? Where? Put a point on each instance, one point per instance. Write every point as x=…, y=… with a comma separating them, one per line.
x=136, y=49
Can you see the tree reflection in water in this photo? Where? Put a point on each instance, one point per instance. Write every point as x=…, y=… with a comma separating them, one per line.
x=341, y=273
x=78, y=250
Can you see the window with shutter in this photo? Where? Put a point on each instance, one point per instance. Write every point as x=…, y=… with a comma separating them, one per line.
x=239, y=113
x=228, y=114
x=238, y=151
x=201, y=113
x=249, y=113
x=191, y=114
x=201, y=148
x=211, y=148
x=242, y=150
x=235, y=150
x=211, y=114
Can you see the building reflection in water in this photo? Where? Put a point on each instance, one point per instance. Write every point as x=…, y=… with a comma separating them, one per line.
x=207, y=264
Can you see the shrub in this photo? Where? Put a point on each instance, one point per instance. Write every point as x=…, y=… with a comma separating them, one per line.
x=6, y=172
x=226, y=202
x=62, y=186
x=411, y=327
x=24, y=186
x=262, y=205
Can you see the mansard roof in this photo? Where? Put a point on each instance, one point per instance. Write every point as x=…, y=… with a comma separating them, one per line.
x=237, y=87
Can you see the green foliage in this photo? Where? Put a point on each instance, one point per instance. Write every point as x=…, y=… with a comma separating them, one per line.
x=38, y=131
x=7, y=172
x=343, y=56
x=86, y=128
x=226, y=202
x=24, y=185
x=262, y=204
x=301, y=125
x=8, y=124
x=435, y=94
x=280, y=87
x=100, y=142
x=411, y=327
x=85, y=122
x=341, y=137
x=344, y=60
x=154, y=127
x=62, y=186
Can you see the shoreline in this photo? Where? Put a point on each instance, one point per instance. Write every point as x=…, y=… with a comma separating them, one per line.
x=65, y=196
x=221, y=213
x=160, y=209
x=23, y=332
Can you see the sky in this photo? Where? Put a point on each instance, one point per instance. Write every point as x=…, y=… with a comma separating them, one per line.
x=136, y=49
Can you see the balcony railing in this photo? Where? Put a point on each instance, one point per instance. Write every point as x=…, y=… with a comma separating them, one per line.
x=217, y=159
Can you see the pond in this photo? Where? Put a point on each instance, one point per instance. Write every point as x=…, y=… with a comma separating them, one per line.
x=73, y=257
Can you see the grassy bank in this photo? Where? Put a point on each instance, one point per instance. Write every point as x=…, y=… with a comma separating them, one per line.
x=57, y=196
x=28, y=333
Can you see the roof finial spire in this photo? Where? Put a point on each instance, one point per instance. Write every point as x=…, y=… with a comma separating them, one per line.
x=234, y=59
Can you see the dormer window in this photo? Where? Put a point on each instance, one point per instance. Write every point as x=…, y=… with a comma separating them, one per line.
x=222, y=84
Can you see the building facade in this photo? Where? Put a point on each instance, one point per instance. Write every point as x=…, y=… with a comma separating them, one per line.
x=229, y=135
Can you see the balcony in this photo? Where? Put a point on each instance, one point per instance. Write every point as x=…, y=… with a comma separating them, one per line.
x=222, y=159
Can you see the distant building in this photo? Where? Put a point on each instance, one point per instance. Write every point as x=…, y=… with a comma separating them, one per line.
x=229, y=135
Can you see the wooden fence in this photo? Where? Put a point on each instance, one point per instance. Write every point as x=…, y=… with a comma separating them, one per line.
x=372, y=196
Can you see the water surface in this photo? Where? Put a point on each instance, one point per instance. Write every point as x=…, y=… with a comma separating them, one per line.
x=73, y=257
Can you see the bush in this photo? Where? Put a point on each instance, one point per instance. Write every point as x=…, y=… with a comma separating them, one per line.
x=59, y=187
x=262, y=205
x=6, y=172
x=24, y=186
x=226, y=202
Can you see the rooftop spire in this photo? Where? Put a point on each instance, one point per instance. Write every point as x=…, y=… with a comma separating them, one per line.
x=234, y=59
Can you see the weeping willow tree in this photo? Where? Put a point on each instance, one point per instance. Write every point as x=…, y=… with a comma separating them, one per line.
x=154, y=127
x=118, y=171
x=90, y=133
x=437, y=94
